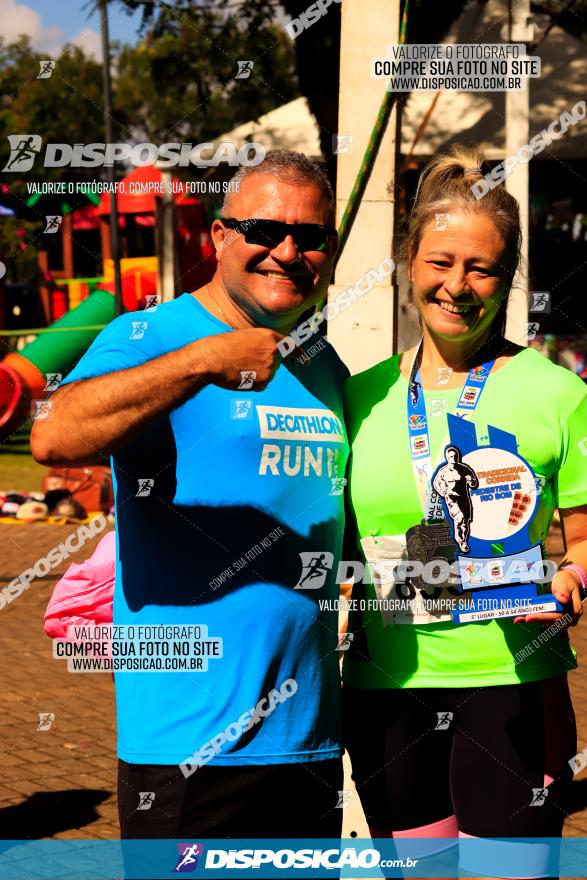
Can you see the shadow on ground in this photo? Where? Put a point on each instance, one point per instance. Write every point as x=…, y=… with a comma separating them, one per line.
x=47, y=813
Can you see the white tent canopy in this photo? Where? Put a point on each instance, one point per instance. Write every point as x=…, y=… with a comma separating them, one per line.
x=289, y=127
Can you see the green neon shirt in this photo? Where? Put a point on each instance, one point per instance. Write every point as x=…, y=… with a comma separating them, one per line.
x=545, y=407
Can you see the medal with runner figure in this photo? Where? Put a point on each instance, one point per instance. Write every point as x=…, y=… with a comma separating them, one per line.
x=490, y=495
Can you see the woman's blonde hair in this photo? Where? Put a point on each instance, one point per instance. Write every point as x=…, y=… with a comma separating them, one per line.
x=446, y=186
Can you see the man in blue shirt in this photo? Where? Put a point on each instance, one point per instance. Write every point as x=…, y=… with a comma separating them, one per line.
x=228, y=463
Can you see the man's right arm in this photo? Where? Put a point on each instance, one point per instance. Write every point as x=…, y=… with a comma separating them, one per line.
x=93, y=418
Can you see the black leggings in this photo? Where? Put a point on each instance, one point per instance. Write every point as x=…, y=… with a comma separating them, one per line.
x=488, y=764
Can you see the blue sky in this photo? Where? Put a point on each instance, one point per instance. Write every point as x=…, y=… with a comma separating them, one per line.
x=70, y=15
x=50, y=23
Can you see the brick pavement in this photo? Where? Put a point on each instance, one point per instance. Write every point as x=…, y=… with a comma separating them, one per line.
x=60, y=783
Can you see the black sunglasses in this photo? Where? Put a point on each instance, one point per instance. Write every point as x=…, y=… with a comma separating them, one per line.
x=270, y=233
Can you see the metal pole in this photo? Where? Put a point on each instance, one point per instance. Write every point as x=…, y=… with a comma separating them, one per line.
x=114, y=231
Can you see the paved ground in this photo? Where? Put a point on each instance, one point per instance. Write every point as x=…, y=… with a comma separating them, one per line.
x=60, y=783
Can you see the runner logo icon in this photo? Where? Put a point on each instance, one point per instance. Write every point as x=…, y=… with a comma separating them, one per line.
x=188, y=857
x=146, y=799
x=444, y=719
x=539, y=795
x=315, y=567
x=23, y=151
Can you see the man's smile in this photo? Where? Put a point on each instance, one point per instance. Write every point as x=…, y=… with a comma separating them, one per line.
x=295, y=279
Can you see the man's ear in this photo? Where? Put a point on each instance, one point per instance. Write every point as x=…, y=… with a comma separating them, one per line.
x=219, y=235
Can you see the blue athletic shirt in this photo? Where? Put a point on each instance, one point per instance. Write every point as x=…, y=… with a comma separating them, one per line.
x=242, y=484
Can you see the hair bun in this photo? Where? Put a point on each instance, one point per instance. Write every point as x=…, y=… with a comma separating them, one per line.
x=447, y=184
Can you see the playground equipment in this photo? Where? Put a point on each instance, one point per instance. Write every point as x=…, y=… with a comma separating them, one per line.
x=81, y=307
x=27, y=376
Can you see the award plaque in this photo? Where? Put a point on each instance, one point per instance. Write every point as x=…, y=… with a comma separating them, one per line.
x=490, y=495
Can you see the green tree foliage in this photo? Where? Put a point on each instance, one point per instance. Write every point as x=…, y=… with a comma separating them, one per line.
x=179, y=82
x=66, y=108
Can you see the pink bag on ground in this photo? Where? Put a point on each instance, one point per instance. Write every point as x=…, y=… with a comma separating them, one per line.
x=84, y=594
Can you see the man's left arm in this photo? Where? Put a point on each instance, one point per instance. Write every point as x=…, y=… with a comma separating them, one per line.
x=472, y=477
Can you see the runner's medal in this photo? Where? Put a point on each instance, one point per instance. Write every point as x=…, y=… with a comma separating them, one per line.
x=490, y=495
x=477, y=506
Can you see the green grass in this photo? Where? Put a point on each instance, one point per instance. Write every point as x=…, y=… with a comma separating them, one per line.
x=18, y=470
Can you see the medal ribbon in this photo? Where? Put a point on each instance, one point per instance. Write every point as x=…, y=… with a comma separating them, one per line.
x=418, y=428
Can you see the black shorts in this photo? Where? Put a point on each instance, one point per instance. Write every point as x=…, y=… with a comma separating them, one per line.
x=488, y=764
x=274, y=800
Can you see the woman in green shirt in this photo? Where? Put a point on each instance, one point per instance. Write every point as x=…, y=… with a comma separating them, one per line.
x=464, y=728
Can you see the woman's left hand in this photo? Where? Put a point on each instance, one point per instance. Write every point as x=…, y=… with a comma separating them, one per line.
x=566, y=588
x=566, y=584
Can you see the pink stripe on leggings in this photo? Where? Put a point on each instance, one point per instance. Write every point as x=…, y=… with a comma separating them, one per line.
x=443, y=828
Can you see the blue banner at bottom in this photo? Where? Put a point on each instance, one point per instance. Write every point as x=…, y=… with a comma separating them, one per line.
x=265, y=858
